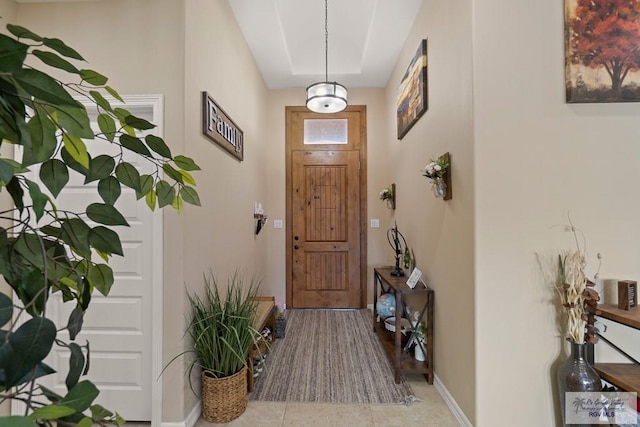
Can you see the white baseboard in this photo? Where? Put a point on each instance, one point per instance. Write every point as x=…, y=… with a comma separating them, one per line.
x=451, y=403
x=191, y=420
x=370, y=307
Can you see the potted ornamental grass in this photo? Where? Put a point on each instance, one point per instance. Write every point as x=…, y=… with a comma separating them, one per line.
x=221, y=330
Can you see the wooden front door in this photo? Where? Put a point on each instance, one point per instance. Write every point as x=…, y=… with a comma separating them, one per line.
x=326, y=257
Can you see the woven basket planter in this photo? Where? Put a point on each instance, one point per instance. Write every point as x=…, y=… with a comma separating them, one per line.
x=224, y=399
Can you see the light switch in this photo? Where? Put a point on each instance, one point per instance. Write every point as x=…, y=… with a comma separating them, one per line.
x=277, y=223
x=375, y=223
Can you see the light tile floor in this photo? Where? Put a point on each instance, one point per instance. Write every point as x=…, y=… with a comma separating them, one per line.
x=429, y=411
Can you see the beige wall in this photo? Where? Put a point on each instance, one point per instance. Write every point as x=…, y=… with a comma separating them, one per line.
x=220, y=235
x=441, y=233
x=538, y=158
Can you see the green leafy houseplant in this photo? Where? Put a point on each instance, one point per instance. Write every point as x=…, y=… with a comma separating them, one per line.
x=221, y=327
x=46, y=250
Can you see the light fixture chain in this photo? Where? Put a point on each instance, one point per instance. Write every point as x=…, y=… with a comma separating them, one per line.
x=326, y=41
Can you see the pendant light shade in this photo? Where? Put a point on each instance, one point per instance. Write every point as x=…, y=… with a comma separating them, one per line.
x=326, y=96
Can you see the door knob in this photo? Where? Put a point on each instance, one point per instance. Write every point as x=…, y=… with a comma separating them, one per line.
x=295, y=238
x=296, y=247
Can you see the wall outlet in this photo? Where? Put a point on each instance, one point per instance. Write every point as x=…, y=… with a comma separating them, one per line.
x=277, y=223
x=375, y=223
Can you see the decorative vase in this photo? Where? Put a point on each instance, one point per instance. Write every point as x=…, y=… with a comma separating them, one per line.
x=576, y=375
x=418, y=353
x=224, y=399
x=439, y=187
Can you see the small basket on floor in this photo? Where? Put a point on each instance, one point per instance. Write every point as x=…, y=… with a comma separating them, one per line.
x=224, y=399
x=281, y=325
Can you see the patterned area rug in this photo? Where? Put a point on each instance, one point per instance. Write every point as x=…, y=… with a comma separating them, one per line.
x=329, y=356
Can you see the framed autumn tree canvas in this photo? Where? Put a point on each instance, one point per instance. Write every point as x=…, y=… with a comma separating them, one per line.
x=602, y=50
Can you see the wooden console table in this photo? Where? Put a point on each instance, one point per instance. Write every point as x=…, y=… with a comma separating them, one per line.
x=625, y=376
x=397, y=346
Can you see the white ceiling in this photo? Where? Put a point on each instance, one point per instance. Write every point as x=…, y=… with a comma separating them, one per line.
x=286, y=38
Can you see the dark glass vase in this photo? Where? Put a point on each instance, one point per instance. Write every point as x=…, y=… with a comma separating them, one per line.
x=575, y=374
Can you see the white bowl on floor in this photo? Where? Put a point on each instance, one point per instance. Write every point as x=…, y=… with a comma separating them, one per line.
x=390, y=324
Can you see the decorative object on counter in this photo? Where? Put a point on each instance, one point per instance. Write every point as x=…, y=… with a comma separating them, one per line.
x=399, y=247
x=419, y=337
x=260, y=217
x=437, y=170
x=627, y=294
x=579, y=300
x=386, y=305
x=388, y=194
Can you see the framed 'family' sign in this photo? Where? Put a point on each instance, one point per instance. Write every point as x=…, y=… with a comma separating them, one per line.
x=218, y=126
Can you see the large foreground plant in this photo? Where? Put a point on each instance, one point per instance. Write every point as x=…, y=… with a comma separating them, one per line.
x=221, y=326
x=45, y=249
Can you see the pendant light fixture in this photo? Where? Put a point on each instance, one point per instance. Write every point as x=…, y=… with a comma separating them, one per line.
x=326, y=96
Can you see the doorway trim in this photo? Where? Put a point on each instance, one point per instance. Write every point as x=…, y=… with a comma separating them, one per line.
x=289, y=148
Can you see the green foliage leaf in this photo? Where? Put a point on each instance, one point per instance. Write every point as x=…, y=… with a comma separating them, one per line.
x=74, y=325
x=150, y=198
x=38, y=199
x=166, y=193
x=28, y=245
x=17, y=421
x=146, y=185
x=6, y=171
x=51, y=412
x=6, y=309
x=85, y=422
x=53, y=60
x=16, y=192
x=105, y=214
x=158, y=145
x=54, y=175
x=23, y=33
x=109, y=189
x=138, y=123
x=43, y=87
x=77, y=149
x=100, y=167
x=186, y=163
x=43, y=139
x=172, y=173
x=75, y=233
x=106, y=240
x=93, y=77
x=100, y=413
x=190, y=195
x=51, y=395
x=134, y=144
x=177, y=203
x=101, y=276
x=12, y=54
x=114, y=93
x=107, y=126
x=72, y=163
x=76, y=365
x=30, y=343
x=128, y=175
x=187, y=178
x=32, y=288
x=100, y=100
x=60, y=47
x=75, y=120
x=80, y=396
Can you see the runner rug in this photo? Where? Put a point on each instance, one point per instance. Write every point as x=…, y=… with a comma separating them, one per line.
x=329, y=356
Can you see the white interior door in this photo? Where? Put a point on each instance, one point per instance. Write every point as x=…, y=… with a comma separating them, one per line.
x=119, y=327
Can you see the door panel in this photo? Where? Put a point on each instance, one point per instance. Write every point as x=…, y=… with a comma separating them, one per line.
x=118, y=327
x=326, y=220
